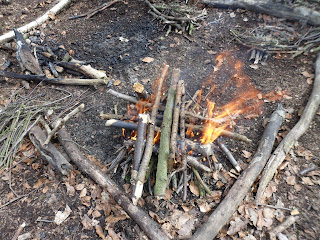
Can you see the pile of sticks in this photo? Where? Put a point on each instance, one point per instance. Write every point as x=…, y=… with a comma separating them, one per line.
x=170, y=122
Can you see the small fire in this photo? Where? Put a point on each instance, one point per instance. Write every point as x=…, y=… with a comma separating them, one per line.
x=246, y=101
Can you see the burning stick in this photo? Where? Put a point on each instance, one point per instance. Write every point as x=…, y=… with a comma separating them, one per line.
x=228, y=134
x=229, y=155
x=149, y=144
x=122, y=124
x=240, y=188
x=164, y=149
x=139, y=146
x=183, y=142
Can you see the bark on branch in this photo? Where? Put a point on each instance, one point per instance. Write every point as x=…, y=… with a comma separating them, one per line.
x=303, y=14
x=241, y=187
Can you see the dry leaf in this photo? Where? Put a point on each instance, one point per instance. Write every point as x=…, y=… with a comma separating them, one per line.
x=146, y=80
x=307, y=181
x=204, y=207
x=96, y=214
x=246, y=154
x=254, y=66
x=291, y=180
x=194, y=188
x=236, y=226
x=60, y=217
x=39, y=183
x=116, y=82
x=294, y=212
x=156, y=217
x=70, y=189
x=148, y=59
x=306, y=74
x=80, y=186
x=232, y=15
x=184, y=222
x=100, y=232
x=113, y=234
x=86, y=201
x=83, y=193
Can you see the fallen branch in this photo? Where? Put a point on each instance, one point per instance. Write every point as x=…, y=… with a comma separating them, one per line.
x=240, y=188
x=148, y=225
x=164, y=149
x=39, y=21
x=149, y=144
x=303, y=14
x=86, y=70
x=292, y=137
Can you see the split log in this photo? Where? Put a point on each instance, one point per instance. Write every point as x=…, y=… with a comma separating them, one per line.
x=241, y=187
x=164, y=149
x=293, y=136
x=39, y=21
x=302, y=14
x=149, y=144
x=148, y=225
x=49, y=151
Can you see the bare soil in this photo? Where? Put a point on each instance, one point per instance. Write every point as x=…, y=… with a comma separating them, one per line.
x=116, y=41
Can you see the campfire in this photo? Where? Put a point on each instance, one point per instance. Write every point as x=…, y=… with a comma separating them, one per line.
x=184, y=135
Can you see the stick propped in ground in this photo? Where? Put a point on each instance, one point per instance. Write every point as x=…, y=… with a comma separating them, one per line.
x=241, y=187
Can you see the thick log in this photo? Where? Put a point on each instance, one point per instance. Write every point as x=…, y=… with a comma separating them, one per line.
x=302, y=14
x=241, y=187
x=148, y=225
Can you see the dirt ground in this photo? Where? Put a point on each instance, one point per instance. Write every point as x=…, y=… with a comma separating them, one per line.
x=116, y=40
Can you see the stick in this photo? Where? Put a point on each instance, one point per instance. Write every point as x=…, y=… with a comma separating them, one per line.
x=59, y=123
x=122, y=124
x=86, y=70
x=175, y=121
x=203, y=184
x=195, y=163
x=240, y=188
x=149, y=144
x=229, y=155
x=148, y=225
x=183, y=140
x=164, y=149
x=39, y=21
x=139, y=145
x=64, y=81
x=19, y=230
x=95, y=11
x=268, y=7
x=283, y=226
x=292, y=137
